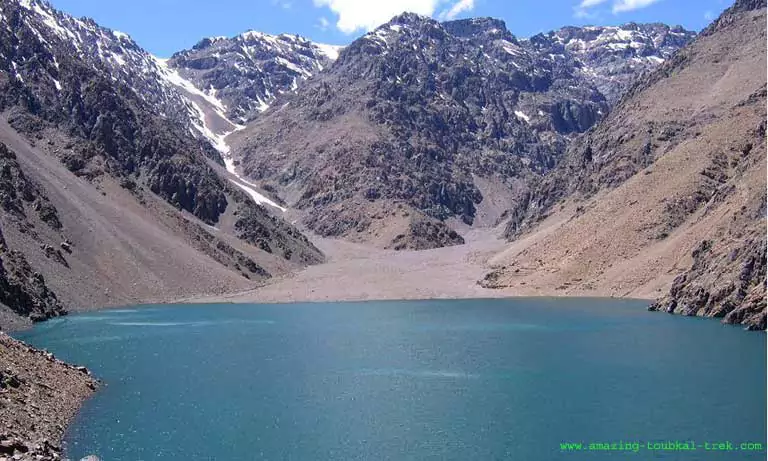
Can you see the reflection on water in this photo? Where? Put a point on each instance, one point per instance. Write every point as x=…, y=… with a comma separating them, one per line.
x=418, y=373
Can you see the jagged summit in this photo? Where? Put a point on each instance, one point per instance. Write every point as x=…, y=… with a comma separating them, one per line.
x=610, y=57
x=248, y=71
x=472, y=28
x=747, y=5
x=475, y=27
x=407, y=18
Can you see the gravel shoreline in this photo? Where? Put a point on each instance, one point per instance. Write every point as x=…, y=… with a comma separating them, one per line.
x=39, y=396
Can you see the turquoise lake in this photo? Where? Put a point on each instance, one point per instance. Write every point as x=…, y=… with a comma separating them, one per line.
x=411, y=380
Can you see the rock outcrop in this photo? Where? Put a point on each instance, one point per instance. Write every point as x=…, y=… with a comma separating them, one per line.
x=23, y=290
x=39, y=395
x=612, y=57
x=249, y=71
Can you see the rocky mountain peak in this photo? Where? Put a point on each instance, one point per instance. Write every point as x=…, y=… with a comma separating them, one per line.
x=611, y=57
x=489, y=28
x=207, y=42
x=408, y=19
x=748, y=5
x=248, y=71
x=418, y=110
x=439, y=117
x=112, y=54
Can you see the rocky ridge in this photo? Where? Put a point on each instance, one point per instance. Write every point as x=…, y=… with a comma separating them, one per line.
x=612, y=57
x=249, y=71
x=115, y=55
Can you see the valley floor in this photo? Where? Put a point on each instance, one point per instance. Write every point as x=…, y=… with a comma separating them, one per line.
x=359, y=272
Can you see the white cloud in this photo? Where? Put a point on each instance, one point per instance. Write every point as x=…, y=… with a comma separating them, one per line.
x=620, y=6
x=581, y=10
x=708, y=15
x=585, y=7
x=354, y=15
x=323, y=23
x=590, y=3
x=459, y=7
x=581, y=13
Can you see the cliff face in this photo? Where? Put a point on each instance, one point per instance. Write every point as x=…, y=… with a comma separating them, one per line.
x=22, y=289
x=669, y=190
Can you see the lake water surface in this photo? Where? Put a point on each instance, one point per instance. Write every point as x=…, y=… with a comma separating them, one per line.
x=412, y=380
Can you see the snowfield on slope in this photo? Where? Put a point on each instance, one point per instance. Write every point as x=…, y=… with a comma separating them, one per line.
x=218, y=140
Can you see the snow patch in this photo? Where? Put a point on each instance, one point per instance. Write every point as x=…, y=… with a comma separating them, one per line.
x=511, y=49
x=522, y=116
x=218, y=140
x=173, y=77
x=117, y=58
x=292, y=66
x=624, y=34
x=263, y=106
x=16, y=72
x=51, y=22
x=329, y=51
x=255, y=195
x=121, y=35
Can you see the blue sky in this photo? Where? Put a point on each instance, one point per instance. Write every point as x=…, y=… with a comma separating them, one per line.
x=166, y=26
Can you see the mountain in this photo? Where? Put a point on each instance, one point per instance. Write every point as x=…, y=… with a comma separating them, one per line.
x=612, y=57
x=115, y=55
x=247, y=72
x=422, y=128
x=104, y=170
x=666, y=197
